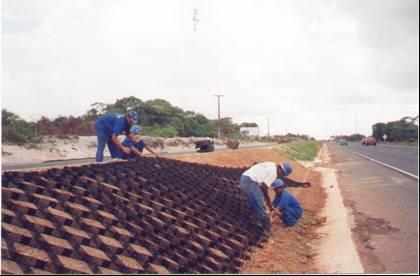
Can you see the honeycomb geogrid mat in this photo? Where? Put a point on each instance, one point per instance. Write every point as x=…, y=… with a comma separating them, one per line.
x=141, y=216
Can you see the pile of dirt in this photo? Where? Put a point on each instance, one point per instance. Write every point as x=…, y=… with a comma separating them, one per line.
x=287, y=249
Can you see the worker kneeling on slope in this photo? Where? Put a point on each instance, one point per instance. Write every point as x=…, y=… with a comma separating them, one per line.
x=285, y=204
x=254, y=184
x=108, y=127
x=135, y=143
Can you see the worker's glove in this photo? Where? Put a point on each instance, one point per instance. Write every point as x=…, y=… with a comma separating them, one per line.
x=306, y=184
x=300, y=185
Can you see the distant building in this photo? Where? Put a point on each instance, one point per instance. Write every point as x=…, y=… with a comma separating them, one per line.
x=249, y=131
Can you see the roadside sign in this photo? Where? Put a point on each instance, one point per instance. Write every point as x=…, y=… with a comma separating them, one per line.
x=249, y=131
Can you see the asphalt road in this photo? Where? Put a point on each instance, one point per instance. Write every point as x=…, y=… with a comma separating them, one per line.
x=402, y=157
x=384, y=204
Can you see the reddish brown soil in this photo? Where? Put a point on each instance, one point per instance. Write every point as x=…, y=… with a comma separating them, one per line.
x=287, y=249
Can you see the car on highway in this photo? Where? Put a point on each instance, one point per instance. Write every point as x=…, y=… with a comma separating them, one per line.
x=369, y=141
x=343, y=141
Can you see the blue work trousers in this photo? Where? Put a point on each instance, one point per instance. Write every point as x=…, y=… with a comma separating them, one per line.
x=103, y=140
x=290, y=215
x=255, y=197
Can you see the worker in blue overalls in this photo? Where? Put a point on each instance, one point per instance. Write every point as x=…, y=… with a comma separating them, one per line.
x=254, y=184
x=108, y=127
x=285, y=204
x=135, y=143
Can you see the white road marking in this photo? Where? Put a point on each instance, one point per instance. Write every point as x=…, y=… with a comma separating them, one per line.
x=384, y=164
x=374, y=178
x=370, y=181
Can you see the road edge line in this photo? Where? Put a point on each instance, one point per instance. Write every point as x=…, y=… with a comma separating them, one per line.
x=385, y=165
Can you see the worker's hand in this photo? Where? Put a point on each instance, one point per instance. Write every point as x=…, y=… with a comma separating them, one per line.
x=155, y=155
x=306, y=184
x=275, y=219
x=125, y=150
x=275, y=216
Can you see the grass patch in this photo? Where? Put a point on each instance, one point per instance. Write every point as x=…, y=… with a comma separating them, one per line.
x=302, y=150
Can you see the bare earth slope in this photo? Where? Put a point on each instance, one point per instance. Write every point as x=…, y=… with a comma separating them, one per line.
x=288, y=248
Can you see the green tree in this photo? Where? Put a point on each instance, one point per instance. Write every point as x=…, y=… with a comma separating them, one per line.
x=356, y=137
x=8, y=118
x=228, y=128
x=160, y=112
x=158, y=131
x=121, y=106
x=378, y=130
x=14, y=129
x=403, y=130
x=91, y=115
x=58, y=122
x=157, y=117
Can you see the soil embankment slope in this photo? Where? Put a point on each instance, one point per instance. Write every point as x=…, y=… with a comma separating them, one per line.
x=288, y=248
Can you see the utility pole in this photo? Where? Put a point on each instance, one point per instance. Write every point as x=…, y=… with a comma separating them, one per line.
x=218, y=114
x=268, y=127
x=355, y=121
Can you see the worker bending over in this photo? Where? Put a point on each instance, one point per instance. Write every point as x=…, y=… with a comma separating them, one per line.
x=254, y=184
x=108, y=127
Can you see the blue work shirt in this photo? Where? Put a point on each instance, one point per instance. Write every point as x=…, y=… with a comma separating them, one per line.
x=112, y=124
x=290, y=207
x=129, y=144
x=286, y=199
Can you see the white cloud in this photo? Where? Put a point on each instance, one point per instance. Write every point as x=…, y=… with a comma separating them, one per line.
x=308, y=65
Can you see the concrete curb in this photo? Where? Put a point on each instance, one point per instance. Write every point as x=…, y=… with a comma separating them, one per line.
x=336, y=251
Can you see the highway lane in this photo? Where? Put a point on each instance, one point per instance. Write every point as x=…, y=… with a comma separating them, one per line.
x=384, y=204
x=402, y=157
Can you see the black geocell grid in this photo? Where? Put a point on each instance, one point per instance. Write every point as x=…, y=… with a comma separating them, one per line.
x=187, y=217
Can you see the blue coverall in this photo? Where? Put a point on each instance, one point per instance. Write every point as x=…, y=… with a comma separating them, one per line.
x=289, y=206
x=129, y=144
x=106, y=126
